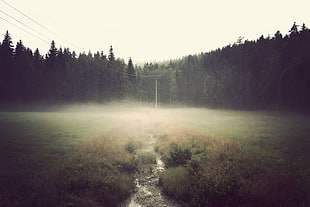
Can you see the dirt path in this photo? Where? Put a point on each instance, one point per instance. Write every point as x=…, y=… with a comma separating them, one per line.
x=147, y=190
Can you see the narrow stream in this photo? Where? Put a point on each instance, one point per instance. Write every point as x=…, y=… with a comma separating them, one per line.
x=147, y=190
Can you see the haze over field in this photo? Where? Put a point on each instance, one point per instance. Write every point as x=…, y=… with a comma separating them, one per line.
x=94, y=154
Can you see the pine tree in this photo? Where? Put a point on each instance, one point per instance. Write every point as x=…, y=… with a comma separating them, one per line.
x=111, y=57
x=293, y=30
x=20, y=57
x=6, y=52
x=51, y=56
x=278, y=35
x=6, y=66
x=131, y=72
x=304, y=28
x=37, y=56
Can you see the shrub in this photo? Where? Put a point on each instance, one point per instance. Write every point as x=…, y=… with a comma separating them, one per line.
x=118, y=190
x=137, y=161
x=147, y=158
x=178, y=155
x=218, y=190
x=175, y=182
x=133, y=145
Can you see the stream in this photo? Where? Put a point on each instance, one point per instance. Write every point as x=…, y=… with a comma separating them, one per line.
x=147, y=189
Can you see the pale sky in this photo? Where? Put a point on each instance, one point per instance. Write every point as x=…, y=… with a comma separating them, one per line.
x=149, y=30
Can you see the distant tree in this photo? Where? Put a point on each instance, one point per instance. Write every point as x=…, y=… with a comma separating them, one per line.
x=278, y=35
x=38, y=76
x=51, y=75
x=6, y=66
x=304, y=28
x=111, y=57
x=20, y=49
x=23, y=76
x=131, y=72
x=6, y=52
x=20, y=59
x=37, y=56
x=51, y=56
x=293, y=30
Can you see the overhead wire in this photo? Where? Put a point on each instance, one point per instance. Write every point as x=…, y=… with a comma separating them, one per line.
x=24, y=30
x=44, y=27
x=47, y=29
x=24, y=24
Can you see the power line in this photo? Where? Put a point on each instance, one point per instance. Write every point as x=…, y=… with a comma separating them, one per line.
x=24, y=30
x=113, y=71
x=47, y=29
x=36, y=22
x=24, y=24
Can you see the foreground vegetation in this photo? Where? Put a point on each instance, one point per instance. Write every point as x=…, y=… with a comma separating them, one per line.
x=206, y=171
x=213, y=157
x=67, y=159
x=260, y=159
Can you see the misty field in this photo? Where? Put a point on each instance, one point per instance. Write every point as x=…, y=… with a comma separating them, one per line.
x=85, y=156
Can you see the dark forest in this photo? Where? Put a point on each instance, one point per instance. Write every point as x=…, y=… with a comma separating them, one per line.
x=267, y=73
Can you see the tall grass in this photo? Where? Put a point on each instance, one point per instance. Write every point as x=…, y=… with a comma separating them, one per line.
x=221, y=172
x=67, y=159
x=91, y=174
x=86, y=159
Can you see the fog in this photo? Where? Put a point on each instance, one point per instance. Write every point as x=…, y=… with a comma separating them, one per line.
x=65, y=134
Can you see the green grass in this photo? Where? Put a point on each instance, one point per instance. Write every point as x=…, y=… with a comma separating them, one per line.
x=243, y=159
x=31, y=140
x=43, y=148
x=264, y=130
x=78, y=157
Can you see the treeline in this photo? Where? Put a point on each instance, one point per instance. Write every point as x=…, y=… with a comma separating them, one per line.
x=62, y=75
x=268, y=73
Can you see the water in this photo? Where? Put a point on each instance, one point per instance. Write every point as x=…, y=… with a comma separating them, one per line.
x=147, y=189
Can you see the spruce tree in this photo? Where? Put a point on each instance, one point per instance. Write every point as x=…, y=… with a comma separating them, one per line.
x=37, y=56
x=6, y=66
x=131, y=72
x=6, y=52
x=51, y=56
x=111, y=57
x=293, y=30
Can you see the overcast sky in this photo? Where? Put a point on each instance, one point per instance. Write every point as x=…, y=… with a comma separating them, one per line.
x=149, y=30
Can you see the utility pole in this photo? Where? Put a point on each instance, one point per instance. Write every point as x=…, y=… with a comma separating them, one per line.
x=156, y=88
x=156, y=93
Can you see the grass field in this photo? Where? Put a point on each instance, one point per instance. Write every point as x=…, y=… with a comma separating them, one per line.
x=73, y=157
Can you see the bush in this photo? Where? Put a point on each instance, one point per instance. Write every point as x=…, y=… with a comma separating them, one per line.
x=175, y=182
x=204, y=171
x=132, y=146
x=147, y=158
x=118, y=190
x=137, y=161
x=178, y=155
x=218, y=190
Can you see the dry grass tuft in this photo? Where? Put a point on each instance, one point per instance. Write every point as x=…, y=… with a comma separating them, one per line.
x=227, y=173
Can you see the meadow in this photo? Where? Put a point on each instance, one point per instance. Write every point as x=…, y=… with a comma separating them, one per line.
x=85, y=155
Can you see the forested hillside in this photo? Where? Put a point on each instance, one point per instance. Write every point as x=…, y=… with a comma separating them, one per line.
x=267, y=73
x=62, y=76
